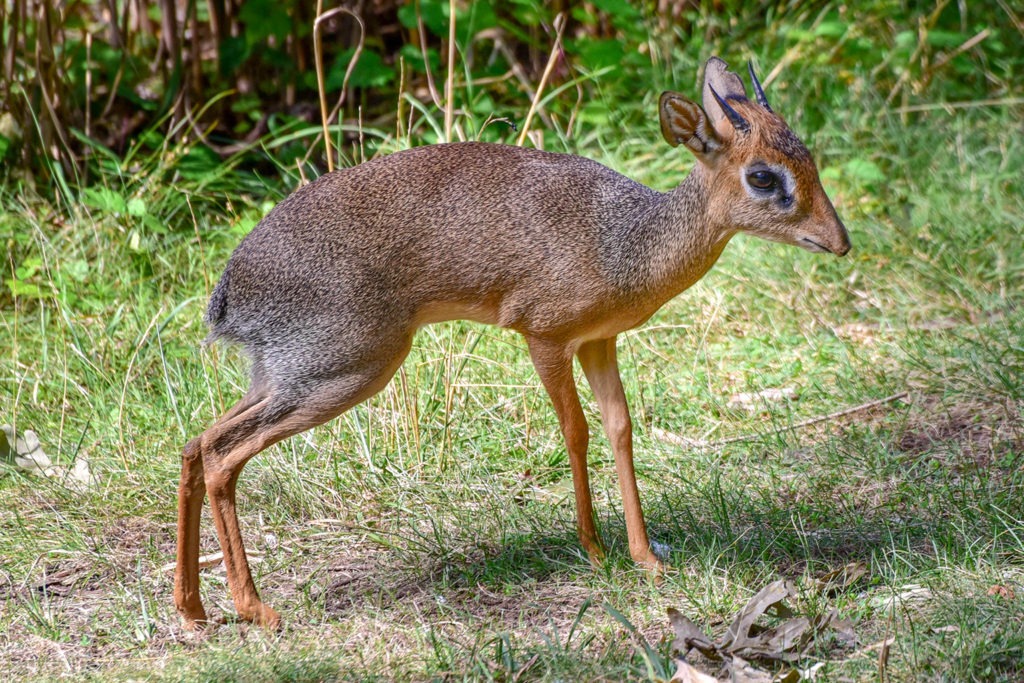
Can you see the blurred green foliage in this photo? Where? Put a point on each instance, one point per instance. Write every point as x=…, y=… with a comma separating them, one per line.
x=89, y=82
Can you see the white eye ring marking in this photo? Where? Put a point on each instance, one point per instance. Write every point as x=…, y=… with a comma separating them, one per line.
x=787, y=184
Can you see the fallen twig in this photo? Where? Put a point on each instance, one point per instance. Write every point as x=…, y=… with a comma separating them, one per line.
x=679, y=440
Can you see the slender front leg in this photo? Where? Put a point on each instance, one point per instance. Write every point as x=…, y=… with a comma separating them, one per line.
x=191, y=492
x=554, y=365
x=602, y=369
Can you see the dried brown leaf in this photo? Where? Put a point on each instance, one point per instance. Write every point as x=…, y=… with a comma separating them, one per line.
x=786, y=642
x=740, y=671
x=745, y=639
x=738, y=633
x=23, y=450
x=689, y=636
x=844, y=630
x=688, y=674
x=791, y=676
x=841, y=579
x=1001, y=591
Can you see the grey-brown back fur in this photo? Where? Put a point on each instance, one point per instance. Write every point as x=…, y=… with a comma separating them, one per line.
x=546, y=244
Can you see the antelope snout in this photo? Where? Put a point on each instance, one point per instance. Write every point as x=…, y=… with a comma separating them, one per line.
x=840, y=243
x=826, y=236
x=830, y=233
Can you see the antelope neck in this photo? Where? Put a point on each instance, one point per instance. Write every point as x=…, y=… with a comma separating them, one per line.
x=673, y=243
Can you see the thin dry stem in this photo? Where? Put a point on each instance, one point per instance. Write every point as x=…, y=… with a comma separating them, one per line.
x=320, y=85
x=400, y=104
x=449, y=87
x=556, y=49
x=421, y=31
x=950, y=106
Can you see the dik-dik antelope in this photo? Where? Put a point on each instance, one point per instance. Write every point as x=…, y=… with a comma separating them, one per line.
x=326, y=293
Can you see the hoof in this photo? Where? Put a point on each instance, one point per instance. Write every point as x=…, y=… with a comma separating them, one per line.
x=193, y=617
x=653, y=567
x=595, y=553
x=263, y=616
x=195, y=624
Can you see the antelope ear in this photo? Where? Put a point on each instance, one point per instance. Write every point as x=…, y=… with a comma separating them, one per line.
x=725, y=83
x=684, y=122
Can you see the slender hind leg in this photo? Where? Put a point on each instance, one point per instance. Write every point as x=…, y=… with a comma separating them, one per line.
x=191, y=492
x=240, y=435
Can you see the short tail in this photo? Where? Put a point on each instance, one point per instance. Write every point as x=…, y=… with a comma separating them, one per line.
x=217, y=308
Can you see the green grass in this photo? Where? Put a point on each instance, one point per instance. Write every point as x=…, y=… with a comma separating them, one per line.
x=429, y=534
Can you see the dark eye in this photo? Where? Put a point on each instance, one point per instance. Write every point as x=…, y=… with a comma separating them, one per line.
x=763, y=180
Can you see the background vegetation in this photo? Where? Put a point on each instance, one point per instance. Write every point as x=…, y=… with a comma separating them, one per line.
x=428, y=534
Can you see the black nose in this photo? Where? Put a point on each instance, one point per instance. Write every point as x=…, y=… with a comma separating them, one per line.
x=844, y=248
x=844, y=242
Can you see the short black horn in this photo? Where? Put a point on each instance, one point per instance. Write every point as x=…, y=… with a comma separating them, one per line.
x=738, y=122
x=758, y=90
